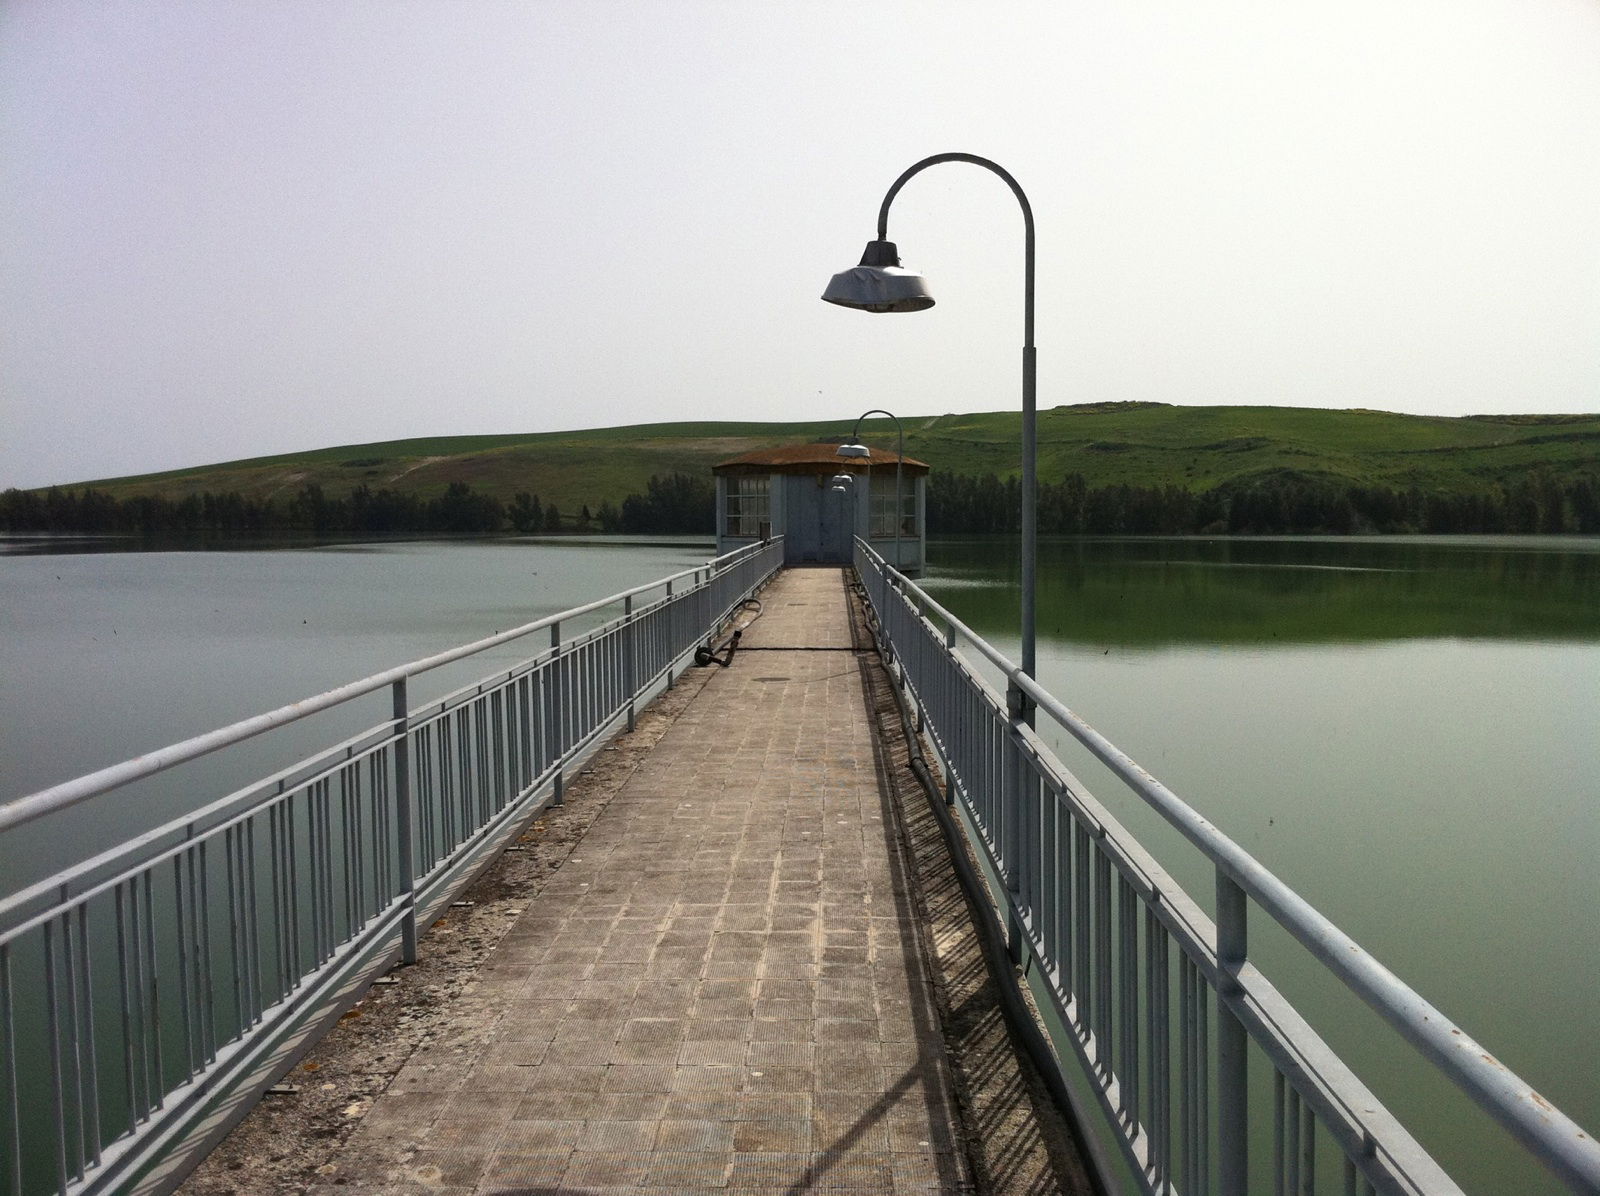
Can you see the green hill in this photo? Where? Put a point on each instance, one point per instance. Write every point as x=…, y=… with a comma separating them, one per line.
x=1140, y=444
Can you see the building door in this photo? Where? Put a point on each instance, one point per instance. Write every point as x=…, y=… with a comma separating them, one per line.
x=817, y=523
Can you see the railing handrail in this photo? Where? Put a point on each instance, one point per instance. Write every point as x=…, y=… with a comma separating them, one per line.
x=1506, y=1097
x=69, y=793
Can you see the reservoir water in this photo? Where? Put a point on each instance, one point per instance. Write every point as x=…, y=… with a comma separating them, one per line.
x=1403, y=729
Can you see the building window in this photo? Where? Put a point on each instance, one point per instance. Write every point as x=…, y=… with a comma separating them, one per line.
x=883, y=511
x=749, y=510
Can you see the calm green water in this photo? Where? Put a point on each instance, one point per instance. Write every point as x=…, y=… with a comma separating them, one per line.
x=1404, y=730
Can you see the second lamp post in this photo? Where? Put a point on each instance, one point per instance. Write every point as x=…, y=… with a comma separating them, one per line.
x=855, y=449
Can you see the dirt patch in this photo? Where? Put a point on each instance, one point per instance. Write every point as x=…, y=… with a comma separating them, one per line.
x=420, y=463
x=287, y=1143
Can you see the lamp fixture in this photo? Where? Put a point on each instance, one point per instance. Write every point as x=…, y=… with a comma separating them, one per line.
x=879, y=283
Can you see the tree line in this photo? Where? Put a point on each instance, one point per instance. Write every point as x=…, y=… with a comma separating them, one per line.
x=957, y=504
x=676, y=504
x=1278, y=503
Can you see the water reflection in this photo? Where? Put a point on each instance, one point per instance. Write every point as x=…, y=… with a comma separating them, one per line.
x=1144, y=593
x=1401, y=729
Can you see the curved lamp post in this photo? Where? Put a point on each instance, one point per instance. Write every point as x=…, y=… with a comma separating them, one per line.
x=858, y=450
x=880, y=284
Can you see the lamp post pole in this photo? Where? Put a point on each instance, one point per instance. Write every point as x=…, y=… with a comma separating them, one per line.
x=879, y=284
x=900, y=456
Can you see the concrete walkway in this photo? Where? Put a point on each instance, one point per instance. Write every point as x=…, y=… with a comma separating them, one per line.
x=723, y=988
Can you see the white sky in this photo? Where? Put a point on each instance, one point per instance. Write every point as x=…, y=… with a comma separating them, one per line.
x=232, y=229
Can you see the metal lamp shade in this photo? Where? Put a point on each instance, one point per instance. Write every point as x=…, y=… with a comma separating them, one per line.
x=867, y=288
x=853, y=450
x=879, y=283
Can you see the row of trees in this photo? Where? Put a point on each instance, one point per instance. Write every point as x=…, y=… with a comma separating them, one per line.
x=1278, y=503
x=678, y=503
x=957, y=504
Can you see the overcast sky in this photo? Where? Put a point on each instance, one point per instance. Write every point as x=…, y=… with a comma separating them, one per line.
x=232, y=229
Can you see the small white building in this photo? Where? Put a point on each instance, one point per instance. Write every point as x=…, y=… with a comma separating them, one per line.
x=788, y=492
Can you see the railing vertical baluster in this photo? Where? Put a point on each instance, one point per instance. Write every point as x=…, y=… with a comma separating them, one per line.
x=1066, y=899
x=491, y=766
x=1049, y=928
x=404, y=847
x=1310, y=1140
x=670, y=607
x=429, y=809
x=291, y=851
x=10, y=1112
x=1128, y=999
x=1186, y=1102
x=203, y=988
x=1233, y=1104
x=630, y=649
x=125, y=989
x=1010, y=838
x=317, y=824
x=185, y=1010
x=522, y=717
x=279, y=883
x=252, y=923
x=461, y=789
x=1278, y=1133
x=1158, y=1013
x=1292, y=1147
x=357, y=912
x=71, y=1022
x=155, y=1088
x=1105, y=1039
x=53, y=1034
x=91, y=1066
x=231, y=869
x=553, y=696
x=141, y=950
x=441, y=782
x=1082, y=986
x=1202, y=1007
x=1028, y=836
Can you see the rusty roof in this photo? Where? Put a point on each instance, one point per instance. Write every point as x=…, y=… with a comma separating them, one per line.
x=814, y=458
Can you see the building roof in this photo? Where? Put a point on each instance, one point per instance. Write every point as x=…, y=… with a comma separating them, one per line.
x=815, y=458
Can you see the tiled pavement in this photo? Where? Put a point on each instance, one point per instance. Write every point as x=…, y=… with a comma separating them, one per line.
x=722, y=989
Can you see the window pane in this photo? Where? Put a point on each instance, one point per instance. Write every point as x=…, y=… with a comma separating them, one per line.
x=746, y=506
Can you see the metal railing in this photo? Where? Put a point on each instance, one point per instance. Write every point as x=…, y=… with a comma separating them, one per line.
x=1161, y=1005
x=141, y=986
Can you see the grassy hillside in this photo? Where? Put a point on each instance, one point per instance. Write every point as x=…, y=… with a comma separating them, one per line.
x=1138, y=444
